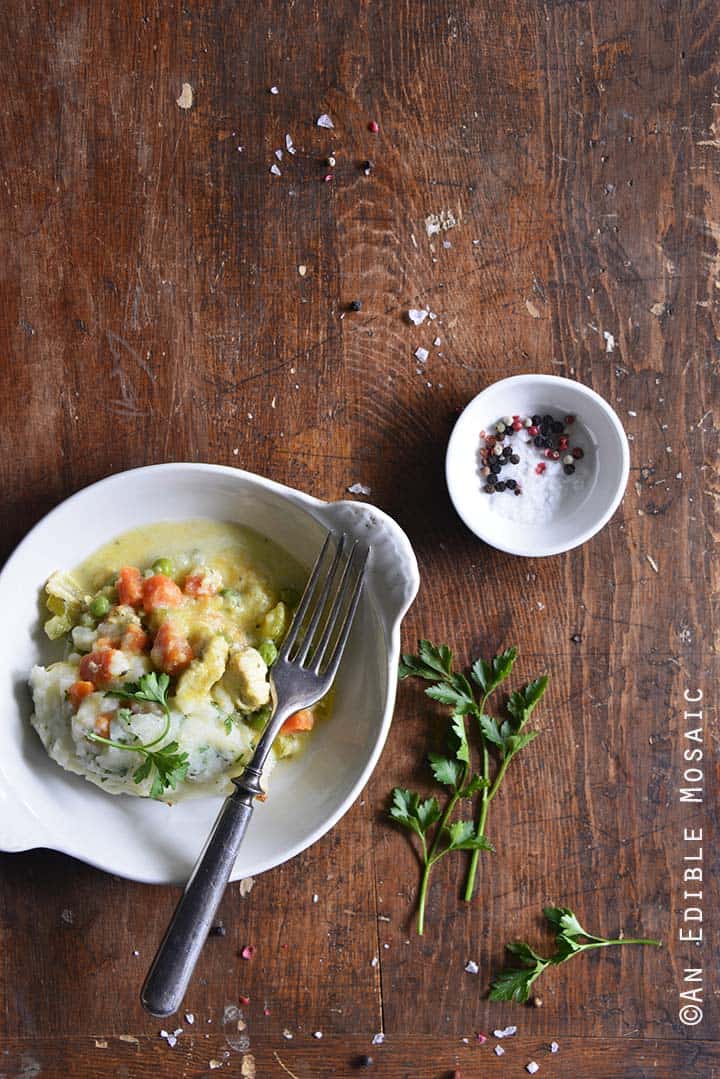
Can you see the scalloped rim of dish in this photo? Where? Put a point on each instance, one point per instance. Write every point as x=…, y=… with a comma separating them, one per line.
x=328, y=514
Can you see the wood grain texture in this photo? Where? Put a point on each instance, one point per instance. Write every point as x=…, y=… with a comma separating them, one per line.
x=152, y=309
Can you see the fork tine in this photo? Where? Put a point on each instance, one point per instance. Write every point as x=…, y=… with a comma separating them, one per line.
x=320, y=603
x=344, y=589
x=334, y=661
x=305, y=601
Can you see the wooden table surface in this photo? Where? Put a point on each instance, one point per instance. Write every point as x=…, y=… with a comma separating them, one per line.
x=154, y=308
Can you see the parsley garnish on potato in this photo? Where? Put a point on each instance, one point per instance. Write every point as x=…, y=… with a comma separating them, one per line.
x=169, y=765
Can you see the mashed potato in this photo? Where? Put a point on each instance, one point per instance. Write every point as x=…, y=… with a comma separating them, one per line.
x=169, y=633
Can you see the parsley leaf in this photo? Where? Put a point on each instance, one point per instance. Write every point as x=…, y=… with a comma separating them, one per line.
x=500, y=740
x=168, y=764
x=514, y=983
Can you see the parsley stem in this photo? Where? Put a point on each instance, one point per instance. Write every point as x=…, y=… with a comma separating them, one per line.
x=140, y=748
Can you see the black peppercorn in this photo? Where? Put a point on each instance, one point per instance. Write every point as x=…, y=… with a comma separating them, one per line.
x=507, y=452
x=557, y=427
x=539, y=441
x=495, y=467
x=500, y=486
x=511, y=484
x=355, y=305
x=568, y=469
x=364, y=1061
x=217, y=931
x=537, y=420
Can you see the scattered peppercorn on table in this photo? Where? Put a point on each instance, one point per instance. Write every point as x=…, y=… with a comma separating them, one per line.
x=298, y=239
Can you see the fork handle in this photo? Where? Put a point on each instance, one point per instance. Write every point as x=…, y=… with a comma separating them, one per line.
x=174, y=963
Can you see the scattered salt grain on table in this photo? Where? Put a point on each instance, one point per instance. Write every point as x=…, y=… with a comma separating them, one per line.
x=421, y=354
x=189, y=1018
x=289, y=144
x=275, y=170
x=471, y=967
x=378, y=1039
x=324, y=121
x=506, y=1033
x=417, y=316
x=186, y=96
x=554, y=1047
x=359, y=489
x=532, y=1067
x=499, y=1051
x=274, y=90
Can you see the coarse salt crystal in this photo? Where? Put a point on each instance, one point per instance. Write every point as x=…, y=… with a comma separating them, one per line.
x=421, y=354
x=417, y=316
x=532, y=1067
x=324, y=121
x=317, y=1034
x=275, y=170
x=378, y=1039
x=374, y=961
x=279, y=155
x=609, y=341
x=274, y=90
x=289, y=146
x=287, y=1034
x=554, y=1047
x=315, y=898
x=189, y=1018
x=359, y=489
x=507, y=1032
x=499, y=1051
x=437, y=342
x=471, y=967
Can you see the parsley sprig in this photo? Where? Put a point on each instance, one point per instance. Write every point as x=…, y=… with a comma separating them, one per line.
x=515, y=983
x=169, y=764
x=499, y=740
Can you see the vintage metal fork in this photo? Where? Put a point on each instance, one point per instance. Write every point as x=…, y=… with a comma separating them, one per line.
x=302, y=673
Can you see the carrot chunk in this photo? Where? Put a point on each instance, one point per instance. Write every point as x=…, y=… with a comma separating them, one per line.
x=200, y=583
x=102, y=724
x=303, y=720
x=160, y=591
x=134, y=639
x=97, y=667
x=171, y=651
x=129, y=586
x=78, y=692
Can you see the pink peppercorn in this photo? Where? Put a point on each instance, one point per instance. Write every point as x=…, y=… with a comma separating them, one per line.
x=540, y=468
x=374, y=126
x=569, y=420
x=244, y=1000
x=563, y=444
x=577, y=453
x=532, y=430
x=548, y=454
x=555, y=455
x=327, y=178
x=517, y=425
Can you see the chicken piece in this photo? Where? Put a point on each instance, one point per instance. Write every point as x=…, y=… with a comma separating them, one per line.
x=246, y=680
x=195, y=683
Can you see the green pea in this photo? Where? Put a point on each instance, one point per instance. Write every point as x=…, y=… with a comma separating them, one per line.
x=99, y=606
x=231, y=596
x=290, y=597
x=164, y=566
x=268, y=652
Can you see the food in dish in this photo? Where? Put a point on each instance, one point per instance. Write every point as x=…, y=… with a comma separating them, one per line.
x=168, y=633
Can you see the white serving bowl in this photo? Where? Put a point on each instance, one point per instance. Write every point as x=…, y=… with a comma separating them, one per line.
x=41, y=805
x=587, y=507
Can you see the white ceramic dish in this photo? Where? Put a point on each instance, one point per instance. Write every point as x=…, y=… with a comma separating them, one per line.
x=43, y=806
x=606, y=464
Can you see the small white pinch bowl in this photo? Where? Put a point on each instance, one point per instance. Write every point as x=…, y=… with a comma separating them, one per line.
x=41, y=805
x=585, y=510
